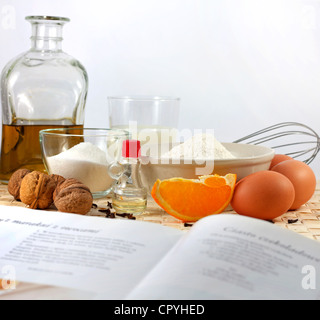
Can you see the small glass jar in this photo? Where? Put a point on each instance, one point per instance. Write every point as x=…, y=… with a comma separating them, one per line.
x=42, y=88
x=129, y=195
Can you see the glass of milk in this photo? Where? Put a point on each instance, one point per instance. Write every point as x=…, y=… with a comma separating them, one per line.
x=153, y=120
x=84, y=154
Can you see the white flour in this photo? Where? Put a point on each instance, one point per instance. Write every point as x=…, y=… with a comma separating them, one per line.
x=85, y=162
x=200, y=146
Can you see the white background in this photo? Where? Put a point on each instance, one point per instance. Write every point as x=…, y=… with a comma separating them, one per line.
x=237, y=65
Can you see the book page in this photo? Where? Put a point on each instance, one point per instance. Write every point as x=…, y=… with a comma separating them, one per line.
x=234, y=257
x=87, y=253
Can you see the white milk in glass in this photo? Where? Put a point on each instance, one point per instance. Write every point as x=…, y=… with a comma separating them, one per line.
x=155, y=140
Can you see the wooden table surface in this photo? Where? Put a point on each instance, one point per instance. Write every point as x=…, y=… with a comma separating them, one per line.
x=305, y=220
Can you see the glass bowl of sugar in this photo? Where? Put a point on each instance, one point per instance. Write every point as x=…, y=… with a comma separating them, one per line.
x=84, y=154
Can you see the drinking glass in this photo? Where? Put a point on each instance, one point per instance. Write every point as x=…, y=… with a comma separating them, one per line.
x=150, y=119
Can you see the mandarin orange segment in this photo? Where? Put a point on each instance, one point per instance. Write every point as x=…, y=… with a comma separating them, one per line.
x=192, y=199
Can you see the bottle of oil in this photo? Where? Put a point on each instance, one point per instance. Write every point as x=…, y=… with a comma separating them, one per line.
x=40, y=89
x=129, y=195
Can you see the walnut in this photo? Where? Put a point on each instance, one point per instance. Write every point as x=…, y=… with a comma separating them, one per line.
x=75, y=198
x=37, y=190
x=66, y=183
x=57, y=178
x=15, y=182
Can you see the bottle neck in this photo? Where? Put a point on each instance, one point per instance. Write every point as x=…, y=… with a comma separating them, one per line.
x=136, y=174
x=46, y=36
x=133, y=171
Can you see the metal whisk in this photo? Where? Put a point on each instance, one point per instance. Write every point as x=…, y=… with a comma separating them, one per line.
x=291, y=138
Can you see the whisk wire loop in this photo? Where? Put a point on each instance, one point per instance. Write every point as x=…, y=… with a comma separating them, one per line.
x=297, y=135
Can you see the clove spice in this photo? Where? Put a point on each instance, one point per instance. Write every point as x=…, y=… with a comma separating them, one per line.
x=188, y=225
x=126, y=215
x=292, y=221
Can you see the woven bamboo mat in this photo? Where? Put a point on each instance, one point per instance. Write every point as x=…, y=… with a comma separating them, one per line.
x=305, y=220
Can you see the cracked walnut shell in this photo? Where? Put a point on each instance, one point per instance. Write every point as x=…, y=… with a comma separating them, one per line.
x=36, y=190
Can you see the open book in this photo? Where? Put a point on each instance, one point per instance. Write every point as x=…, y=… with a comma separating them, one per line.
x=222, y=257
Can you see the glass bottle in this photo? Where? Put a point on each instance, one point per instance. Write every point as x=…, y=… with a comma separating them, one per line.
x=129, y=195
x=41, y=88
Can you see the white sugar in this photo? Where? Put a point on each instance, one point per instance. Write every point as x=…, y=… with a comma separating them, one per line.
x=85, y=162
x=85, y=151
x=200, y=146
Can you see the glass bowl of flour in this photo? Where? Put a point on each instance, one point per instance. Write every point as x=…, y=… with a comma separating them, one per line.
x=84, y=154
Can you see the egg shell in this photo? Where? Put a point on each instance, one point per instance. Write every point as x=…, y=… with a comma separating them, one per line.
x=302, y=177
x=263, y=195
x=279, y=158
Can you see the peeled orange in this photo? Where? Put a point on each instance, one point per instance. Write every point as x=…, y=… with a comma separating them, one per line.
x=192, y=199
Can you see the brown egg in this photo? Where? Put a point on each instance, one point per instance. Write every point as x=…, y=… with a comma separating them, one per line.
x=279, y=158
x=302, y=177
x=263, y=195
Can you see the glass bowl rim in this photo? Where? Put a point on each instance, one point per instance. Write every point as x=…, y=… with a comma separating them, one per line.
x=103, y=132
x=144, y=98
